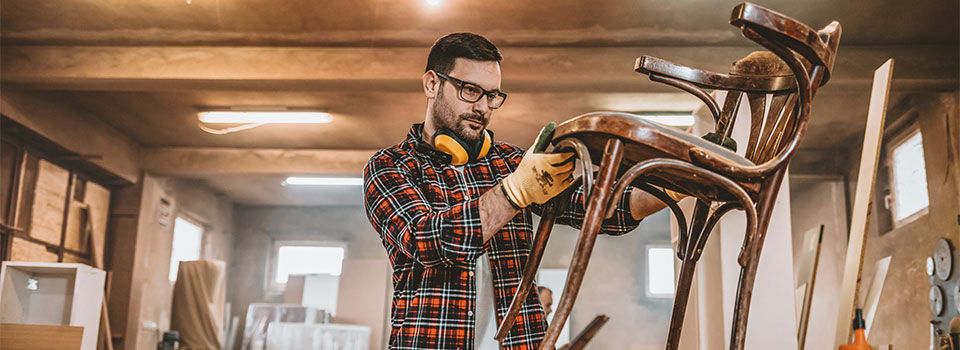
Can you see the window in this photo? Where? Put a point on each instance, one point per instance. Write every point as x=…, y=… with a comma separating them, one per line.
x=660, y=272
x=908, y=197
x=317, y=268
x=187, y=238
x=306, y=259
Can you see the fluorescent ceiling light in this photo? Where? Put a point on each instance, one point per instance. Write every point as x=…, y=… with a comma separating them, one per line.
x=323, y=181
x=265, y=117
x=668, y=118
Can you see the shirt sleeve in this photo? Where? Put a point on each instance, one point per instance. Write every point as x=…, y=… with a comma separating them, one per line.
x=406, y=220
x=622, y=221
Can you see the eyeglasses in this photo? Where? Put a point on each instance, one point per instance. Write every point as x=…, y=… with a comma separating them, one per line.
x=471, y=92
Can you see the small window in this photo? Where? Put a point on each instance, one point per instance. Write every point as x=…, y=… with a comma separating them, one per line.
x=660, y=272
x=307, y=259
x=187, y=238
x=908, y=179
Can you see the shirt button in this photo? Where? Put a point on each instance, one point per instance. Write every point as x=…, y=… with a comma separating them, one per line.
x=469, y=313
x=470, y=273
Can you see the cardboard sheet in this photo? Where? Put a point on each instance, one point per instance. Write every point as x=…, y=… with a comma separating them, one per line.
x=198, y=304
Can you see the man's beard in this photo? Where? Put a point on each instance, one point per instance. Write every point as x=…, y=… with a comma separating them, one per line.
x=444, y=118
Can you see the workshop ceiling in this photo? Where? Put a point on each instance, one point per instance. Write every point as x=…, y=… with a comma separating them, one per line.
x=146, y=67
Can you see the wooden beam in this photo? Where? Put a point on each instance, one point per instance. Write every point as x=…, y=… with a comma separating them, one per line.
x=152, y=68
x=872, y=140
x=199, y=162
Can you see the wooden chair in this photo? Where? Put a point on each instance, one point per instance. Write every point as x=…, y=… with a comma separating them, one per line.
x=649, y=156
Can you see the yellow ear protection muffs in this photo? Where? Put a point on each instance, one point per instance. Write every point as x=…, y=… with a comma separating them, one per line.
x=462, y=152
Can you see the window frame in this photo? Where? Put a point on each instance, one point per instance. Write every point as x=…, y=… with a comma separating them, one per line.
x=673, y=268
x=890, y=201
x=274, y=288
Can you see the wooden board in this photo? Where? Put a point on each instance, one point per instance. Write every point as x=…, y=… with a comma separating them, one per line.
x=74, y=237
x=23, y=250
x=97, y=198
x=872, y=139
x=49, y=199
x=15, y=336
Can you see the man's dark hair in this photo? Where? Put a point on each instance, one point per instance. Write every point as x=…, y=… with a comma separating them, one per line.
x=467, y=45
x=540, y=289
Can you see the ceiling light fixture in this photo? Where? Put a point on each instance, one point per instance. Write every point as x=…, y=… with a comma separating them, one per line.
x=262, y=117
x=323, y=181
x=252, y=117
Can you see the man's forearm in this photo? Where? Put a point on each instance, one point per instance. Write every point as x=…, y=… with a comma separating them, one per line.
x=495, y=211
x=642, y=204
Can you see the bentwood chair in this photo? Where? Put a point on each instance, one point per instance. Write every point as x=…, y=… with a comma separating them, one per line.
x=649, y=156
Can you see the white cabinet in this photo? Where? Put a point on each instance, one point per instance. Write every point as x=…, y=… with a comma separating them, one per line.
x=61, y=294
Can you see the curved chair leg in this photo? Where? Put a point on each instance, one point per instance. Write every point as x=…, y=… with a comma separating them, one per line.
x=687, y=267
x=593, y=218
x=700, y=228
x=748, y=273
x=551, y=210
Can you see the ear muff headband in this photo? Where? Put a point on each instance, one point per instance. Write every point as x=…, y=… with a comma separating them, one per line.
x=460, y=151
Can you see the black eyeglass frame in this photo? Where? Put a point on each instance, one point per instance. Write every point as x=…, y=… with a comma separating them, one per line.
x=488, y=93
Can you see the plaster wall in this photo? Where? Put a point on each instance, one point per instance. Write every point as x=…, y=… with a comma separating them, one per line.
x=903, y=316
x=819, y=200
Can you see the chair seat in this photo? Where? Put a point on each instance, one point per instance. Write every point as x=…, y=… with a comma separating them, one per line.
x=692, y=139
x=645, y=140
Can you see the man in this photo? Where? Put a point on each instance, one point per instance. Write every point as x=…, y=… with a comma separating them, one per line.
x=453, y=209
x=546, y=299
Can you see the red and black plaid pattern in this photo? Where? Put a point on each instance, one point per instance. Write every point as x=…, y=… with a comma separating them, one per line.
x=428, y=218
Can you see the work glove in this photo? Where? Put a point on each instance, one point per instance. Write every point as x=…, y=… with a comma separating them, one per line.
x=540, y=176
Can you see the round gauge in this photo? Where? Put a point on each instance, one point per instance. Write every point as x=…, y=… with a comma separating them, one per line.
x=956, y=297
x=936, y=300
x=930, y=266
x=943, y=259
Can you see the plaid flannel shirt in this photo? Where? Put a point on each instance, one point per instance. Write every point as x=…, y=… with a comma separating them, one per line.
x=428, y=217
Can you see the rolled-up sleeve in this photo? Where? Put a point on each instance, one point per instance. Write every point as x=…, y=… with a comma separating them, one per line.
x=407, y=222
x=622, y=221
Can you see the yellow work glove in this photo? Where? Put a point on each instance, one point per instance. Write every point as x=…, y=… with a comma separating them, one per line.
x=539, y=177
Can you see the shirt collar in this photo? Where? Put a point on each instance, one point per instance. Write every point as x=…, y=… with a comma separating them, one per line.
x=415, y=138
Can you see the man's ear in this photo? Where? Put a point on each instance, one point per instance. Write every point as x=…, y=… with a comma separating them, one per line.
x=431, y=84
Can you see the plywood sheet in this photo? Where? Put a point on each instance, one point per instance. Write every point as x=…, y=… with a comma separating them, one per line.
x=97, y=199
x=75, y=238
x=23, y=250
x=49, y=198
x=15, y=336
x=71, y=258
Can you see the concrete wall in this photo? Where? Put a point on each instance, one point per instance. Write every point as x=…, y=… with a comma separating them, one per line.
x=142, y=252
x=257, y=227
x=903, y=314
x=615, y=285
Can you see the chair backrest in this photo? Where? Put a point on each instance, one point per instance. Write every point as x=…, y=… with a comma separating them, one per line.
x=799, y=61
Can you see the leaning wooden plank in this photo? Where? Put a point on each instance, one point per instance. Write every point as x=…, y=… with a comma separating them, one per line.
x=96, y=256
x=872, y=139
